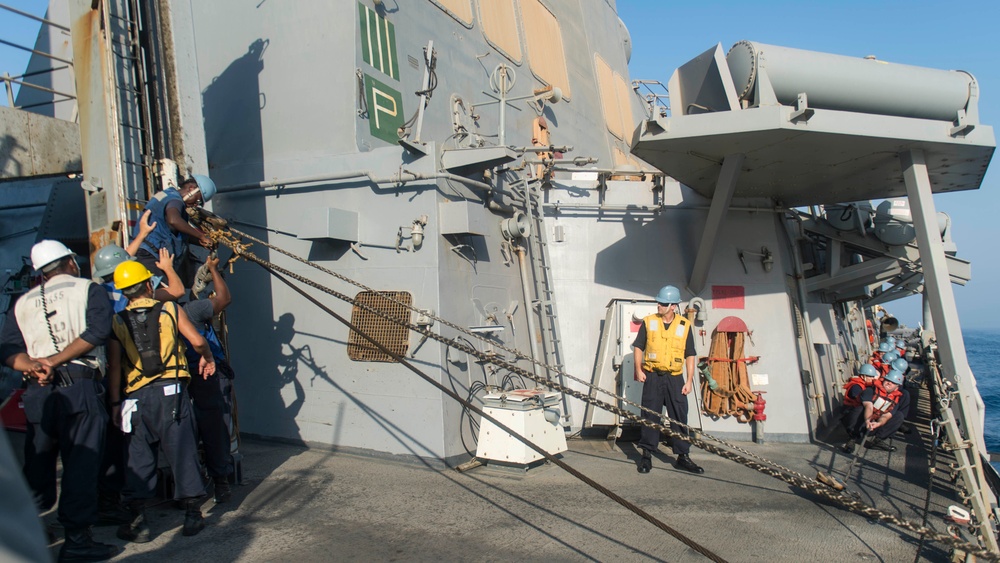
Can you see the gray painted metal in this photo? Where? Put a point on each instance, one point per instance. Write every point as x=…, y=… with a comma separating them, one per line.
x=967, y=408
x=112, y=159
x=180, y=81
x=833, y=157
x=863, y=274
x=849, y=83
x=959, y=269
x=36, y=145
x=806, y=153
x=285, y=136
x=728, y=177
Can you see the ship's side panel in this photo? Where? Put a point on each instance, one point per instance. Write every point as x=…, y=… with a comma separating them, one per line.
x=625, y=253
x=280, y=97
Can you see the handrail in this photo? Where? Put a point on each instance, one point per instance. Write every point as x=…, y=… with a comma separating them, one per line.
x=33, y=17
x=36, y=51
x=9, y=80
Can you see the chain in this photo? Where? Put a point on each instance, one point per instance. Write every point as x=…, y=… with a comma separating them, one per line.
x=515, y=352
x=519, y=437
x=766, y=467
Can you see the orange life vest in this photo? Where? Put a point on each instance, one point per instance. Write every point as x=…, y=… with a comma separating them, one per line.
x=850, y=401
x=884, y=401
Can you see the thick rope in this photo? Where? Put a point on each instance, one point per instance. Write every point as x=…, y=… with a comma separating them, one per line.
x=220, y=236
x=767, y=468
x=541, y=451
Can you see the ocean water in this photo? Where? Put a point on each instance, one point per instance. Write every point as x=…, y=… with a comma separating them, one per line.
x=983, y=349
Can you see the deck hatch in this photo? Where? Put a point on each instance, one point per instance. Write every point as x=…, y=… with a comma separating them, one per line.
x=391, y=335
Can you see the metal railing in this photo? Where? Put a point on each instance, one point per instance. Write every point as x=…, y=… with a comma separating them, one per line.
x=9, y=80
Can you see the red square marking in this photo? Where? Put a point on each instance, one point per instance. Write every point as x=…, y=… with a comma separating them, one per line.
x=727, y=296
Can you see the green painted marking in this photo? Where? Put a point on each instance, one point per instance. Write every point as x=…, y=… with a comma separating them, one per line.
x=378, y=41
x=385, y=110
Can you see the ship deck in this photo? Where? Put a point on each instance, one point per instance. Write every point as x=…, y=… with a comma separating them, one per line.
x=310, y=504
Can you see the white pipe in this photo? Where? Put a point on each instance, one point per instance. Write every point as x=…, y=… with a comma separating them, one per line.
x=523, y=269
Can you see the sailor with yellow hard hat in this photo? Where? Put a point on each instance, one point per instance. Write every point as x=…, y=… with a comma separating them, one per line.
x=146, y=350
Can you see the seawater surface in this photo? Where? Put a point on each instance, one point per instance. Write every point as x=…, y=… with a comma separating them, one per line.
x=983, y=349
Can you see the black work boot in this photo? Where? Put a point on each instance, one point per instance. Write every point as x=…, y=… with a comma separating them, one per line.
x=222, y=490
x=193, y=522
x=877, y=443
x=684, y=462
x=110, y=511
x=848, y=447
x=646, y=463
x=137, y=530
x=80, y=546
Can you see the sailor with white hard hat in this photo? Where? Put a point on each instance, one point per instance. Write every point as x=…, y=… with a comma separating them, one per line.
x=55, y=334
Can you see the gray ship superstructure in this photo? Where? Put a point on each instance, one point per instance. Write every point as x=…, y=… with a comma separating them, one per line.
x=491, y=163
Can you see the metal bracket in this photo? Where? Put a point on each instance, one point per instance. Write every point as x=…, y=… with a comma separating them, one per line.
x=414, y=147
x=964, y=126
x=93, y=185
x=802, y=110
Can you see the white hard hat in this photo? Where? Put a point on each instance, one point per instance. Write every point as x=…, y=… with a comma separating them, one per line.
x=46, y=252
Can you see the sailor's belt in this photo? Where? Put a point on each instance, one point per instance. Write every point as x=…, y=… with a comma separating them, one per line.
x=87, y=362
x=78, y=371
x=163, y=381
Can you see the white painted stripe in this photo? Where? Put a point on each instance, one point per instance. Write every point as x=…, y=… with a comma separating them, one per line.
x=381, y=62
x=388, y=49
x=368, y=29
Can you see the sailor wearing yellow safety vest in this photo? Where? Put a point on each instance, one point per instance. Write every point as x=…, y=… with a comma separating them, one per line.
x=147, y=349
x=663, y=350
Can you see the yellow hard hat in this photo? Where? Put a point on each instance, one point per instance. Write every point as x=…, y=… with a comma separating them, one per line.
x=130, y=273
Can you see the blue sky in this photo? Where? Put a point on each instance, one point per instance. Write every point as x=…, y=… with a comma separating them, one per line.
x=20, y=30
x=666, y=34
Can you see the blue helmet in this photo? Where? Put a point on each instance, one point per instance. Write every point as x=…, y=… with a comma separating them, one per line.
x=895, y=376
x=884, y=347
x=891, y=340
x=890, y=357
x=668, y=295
x=206, y=185
x=868, y=370
x=900, y=365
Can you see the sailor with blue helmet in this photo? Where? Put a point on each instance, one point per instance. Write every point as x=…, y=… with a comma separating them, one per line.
x=168, y=213
x=882, y=411
x=664, y=351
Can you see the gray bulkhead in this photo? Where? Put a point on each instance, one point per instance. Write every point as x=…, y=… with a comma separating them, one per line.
x=281, y=100
x=631, y=254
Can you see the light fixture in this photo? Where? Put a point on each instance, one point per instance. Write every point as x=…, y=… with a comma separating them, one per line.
x=766, y=258
x=416, y=235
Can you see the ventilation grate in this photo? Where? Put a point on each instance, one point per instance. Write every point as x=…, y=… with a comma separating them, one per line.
x=387, y=333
